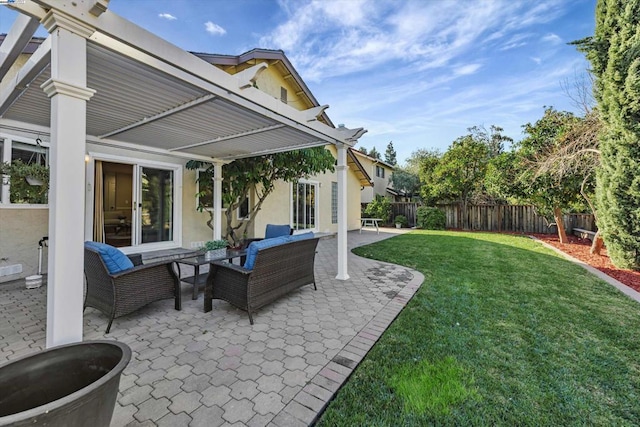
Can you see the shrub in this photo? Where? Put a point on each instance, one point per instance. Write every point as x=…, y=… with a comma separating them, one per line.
x=431, y=218
x=380, y=207
x=402, y=220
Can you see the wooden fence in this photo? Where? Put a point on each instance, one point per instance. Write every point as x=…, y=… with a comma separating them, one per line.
x=407, y=209
x=512, y=218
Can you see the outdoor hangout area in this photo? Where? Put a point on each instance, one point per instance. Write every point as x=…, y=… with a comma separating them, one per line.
x=192, y=367
x=187, y=238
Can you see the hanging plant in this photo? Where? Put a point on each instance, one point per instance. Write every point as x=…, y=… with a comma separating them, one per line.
x=29, y=182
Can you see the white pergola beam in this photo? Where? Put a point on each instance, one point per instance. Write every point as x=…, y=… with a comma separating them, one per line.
x=16, y=40
x=34, y=66
x=130, y=40
x=278, y=150
x=228, y=137
x=161, y=115
x=314, y=113
x=247, y=78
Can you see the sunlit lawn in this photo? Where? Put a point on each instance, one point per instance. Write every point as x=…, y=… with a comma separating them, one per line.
x=502, y=332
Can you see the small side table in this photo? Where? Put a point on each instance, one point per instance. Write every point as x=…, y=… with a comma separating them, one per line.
x=199, y=279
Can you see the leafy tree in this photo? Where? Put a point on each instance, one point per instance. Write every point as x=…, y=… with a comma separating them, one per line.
x=493, y=138
x=379, y=207
x=375, y=154
x=403, y=180
x=459, y=174
x=415, y=162
x=261, y=174
x=390, y=155
x=550, y=193
x=614, y=53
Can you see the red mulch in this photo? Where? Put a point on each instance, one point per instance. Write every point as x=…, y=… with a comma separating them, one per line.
x=579, y=248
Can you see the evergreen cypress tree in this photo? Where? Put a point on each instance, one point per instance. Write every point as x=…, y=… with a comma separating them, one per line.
x=614, y=53
x=390, y=155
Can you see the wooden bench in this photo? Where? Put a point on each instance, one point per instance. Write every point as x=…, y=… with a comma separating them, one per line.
x=584, y=234
x=277, y=271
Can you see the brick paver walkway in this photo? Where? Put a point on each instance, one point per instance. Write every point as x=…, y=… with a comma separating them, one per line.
x=215, y=369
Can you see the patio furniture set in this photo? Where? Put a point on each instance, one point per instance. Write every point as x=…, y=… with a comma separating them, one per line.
x=119, y=284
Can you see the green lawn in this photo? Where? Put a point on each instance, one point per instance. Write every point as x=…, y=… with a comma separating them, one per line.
x=502, y=332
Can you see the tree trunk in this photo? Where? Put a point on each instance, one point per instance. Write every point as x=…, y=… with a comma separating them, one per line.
x=562, y=233
x=597, y=244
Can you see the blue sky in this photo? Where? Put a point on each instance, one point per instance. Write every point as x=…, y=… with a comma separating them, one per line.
x=417, y=73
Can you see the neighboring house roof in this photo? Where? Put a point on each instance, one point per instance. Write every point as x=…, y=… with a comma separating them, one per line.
x=358, y=169
x=373, y=159
x=276, y=58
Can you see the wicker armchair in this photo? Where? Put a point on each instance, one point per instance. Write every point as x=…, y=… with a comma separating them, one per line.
x=118, y=294
x=277, y=271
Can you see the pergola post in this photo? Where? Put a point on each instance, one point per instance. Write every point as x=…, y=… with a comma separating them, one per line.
x=69, y=95
x=342, y=213
x=217, y=200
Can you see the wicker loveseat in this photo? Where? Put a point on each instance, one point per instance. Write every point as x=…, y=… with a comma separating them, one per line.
x=124, y=292
x=277, y=271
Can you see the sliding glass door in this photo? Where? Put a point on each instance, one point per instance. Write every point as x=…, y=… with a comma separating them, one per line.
x=135, y=204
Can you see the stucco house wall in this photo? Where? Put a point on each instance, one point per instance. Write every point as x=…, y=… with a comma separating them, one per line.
x=379, y=184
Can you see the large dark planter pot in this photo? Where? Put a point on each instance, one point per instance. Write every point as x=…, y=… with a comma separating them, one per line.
x=70, y=385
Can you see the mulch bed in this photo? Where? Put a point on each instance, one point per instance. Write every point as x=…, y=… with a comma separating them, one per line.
x=579, y=248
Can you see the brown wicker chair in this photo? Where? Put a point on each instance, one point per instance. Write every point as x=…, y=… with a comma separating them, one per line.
x=277, y=271
x=118, y=294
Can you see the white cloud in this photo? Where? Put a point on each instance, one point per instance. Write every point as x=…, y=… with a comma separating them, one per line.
x=466, y=70
x=536, y=59
x=552, y=38
x=214, y=29
x=167, y=16
x=325, y=39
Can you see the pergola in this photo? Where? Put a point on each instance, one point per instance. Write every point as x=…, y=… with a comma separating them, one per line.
x=98, y=77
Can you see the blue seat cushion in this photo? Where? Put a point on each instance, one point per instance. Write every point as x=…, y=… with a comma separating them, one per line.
x=114, y=259
x=277, y=231
x=254, y=247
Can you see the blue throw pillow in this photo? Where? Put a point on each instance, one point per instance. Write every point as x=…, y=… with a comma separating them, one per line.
x=114, y=259
x=254, y=247
x=277, y=231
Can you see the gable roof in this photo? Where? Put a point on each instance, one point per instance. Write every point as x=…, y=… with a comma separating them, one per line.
x=373, y=159
x=358, y=169
x=276, y=58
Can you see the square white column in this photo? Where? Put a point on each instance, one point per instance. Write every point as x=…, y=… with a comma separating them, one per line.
x=217, y=201
x=342, y=213
x=69, y=94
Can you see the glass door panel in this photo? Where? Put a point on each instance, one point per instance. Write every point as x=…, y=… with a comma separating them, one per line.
x=115, y=202
x=304, y=206
x=156, y=205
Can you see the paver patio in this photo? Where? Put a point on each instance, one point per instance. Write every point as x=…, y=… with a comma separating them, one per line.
x=215, y=369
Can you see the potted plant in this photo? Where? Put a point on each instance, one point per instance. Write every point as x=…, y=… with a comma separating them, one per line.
x=215, y=248
x=401, y=221
x=29, y=181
